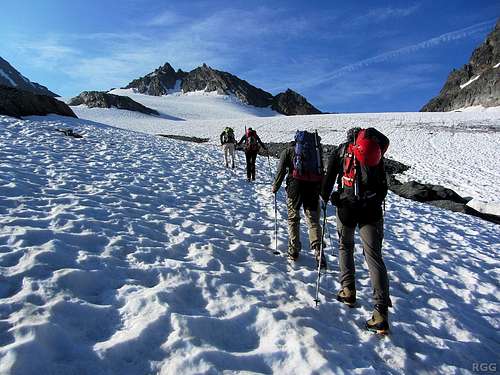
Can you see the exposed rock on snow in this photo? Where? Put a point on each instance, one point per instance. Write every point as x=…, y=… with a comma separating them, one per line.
x=10, y=77
x=476, y=83
x=99, y=99
x=17, y=103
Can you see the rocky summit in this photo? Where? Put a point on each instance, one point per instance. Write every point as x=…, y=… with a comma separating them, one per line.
x=165, y=80
x=10, y=77
x=476, y=83
x=160, y=82
x=292, y=103
x=99, y=99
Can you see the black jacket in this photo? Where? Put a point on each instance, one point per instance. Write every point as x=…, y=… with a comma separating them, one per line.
x=244, y=138
x=372, y=181
x=300, y=192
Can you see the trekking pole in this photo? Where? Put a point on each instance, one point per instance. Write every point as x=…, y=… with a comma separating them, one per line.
x=276, y=252
x=316, y=299
x=270, y=170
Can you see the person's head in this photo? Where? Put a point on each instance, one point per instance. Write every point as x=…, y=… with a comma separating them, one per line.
x=352, y=133
x=249, y=131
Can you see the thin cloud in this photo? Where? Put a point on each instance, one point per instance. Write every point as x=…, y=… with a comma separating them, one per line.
x=390, y=55
x=166, y=18
x=383, y=14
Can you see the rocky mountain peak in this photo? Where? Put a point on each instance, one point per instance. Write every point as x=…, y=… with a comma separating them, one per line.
x=292, y=103
x=10, y=77
x=159, y=82
x=476, y=83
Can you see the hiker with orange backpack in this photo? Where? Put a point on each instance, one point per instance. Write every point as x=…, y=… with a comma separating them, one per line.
x=358, y=168
x=301, y=163
x=251, y=144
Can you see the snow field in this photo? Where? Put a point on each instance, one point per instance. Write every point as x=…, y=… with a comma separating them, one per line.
x=125, y=253
x=458, y=150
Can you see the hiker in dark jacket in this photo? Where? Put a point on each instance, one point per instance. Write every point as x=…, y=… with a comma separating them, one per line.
x=360, y=205
x=251, y=144
x=303, y=194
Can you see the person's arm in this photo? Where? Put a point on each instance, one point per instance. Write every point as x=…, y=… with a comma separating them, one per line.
x=282, y=170
x=331, y=174
x=241, y=140
x=221, y=138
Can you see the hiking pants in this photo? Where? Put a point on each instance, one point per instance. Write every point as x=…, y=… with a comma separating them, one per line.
x=228, y=149
x=312, y=219
x=251, y=157
x=371, y=237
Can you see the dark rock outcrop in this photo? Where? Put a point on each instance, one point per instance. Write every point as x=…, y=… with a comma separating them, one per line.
x=99, y=99
x=205, y=78
x=10, y=77
x=159, y=82
x=426, y=192
x=476, y=83
x=291, y=103
x=17, y=103
x=185, y=138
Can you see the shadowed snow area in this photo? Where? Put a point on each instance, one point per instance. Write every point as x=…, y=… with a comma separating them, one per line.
x=123, y=253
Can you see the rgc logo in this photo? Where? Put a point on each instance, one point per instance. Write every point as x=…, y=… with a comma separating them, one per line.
x=484, y=367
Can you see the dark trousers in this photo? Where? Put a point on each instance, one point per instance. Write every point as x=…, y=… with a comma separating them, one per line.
x=251, y=157
x=371, y=235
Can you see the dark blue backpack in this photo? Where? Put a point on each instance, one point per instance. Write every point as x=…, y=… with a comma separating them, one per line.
x=307, y=162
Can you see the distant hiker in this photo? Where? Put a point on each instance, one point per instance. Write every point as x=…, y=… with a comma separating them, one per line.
x=228, y=142
x=358, y=168
x=301, y=163
x=252, y=144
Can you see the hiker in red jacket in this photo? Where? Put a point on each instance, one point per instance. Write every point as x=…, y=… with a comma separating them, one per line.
x=358, y=168
x=252, y=145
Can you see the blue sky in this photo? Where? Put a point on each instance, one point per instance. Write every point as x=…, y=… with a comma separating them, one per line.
x=344, y=56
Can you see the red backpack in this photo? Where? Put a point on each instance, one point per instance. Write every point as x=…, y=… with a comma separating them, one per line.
x=251, y=143
x=365, y=153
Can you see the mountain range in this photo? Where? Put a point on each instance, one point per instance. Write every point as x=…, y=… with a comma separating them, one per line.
x=477, y=83
x=165, y=80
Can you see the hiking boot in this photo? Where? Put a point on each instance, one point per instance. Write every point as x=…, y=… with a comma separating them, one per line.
x=347, y=296
x=293, y=254
x=379, y=323
x=232, y=166
x=317, y=251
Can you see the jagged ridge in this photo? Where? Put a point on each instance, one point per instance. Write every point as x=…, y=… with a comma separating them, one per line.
x=204, y=78
x=476, y=83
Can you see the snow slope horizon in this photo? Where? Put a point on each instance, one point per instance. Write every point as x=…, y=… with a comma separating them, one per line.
x=441, y=148
x=126, y=253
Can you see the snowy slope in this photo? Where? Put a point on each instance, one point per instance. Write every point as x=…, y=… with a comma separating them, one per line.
x=458, y=150
x=122, y=253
